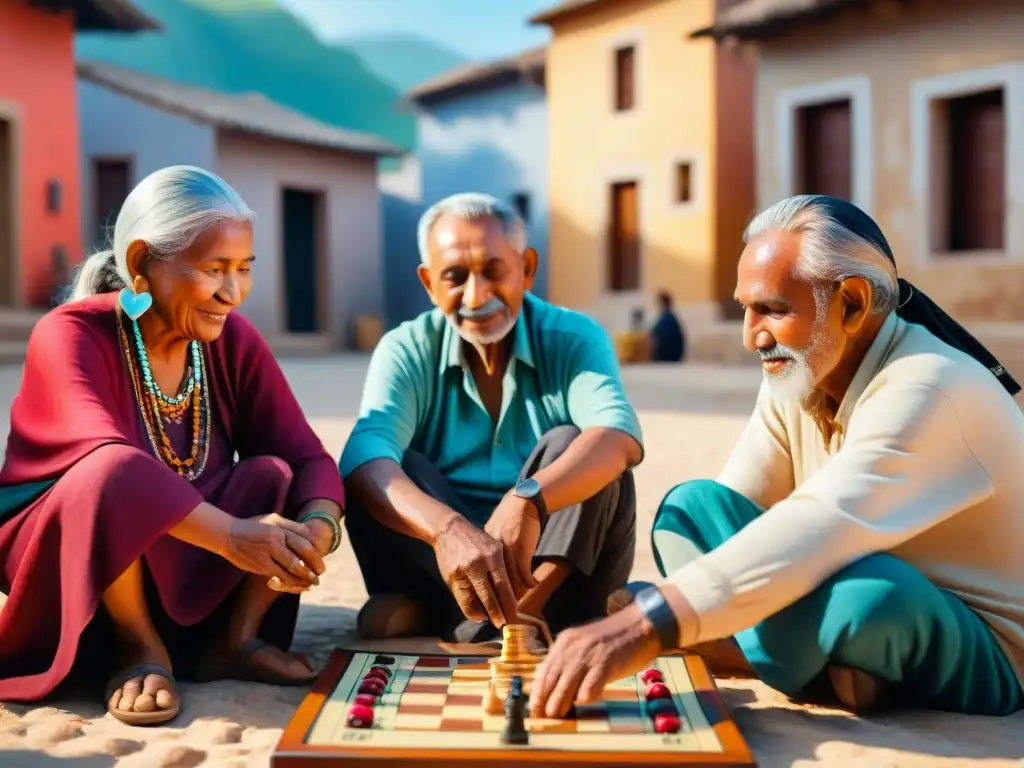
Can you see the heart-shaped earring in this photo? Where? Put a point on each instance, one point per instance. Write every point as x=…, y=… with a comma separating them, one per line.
x=135, y=305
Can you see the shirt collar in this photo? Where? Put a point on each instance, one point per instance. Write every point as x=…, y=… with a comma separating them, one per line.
x=875, y=358
x=453, y=351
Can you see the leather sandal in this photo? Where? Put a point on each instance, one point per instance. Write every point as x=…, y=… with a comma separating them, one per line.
x=157, y=716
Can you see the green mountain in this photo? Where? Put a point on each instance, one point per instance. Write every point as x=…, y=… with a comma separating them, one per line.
x=403, y=61
x=237, y=46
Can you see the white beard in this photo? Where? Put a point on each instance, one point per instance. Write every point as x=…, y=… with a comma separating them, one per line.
x=796, y=381
x=484, y=339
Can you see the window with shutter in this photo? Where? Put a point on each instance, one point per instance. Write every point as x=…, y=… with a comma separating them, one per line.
x=625, y=79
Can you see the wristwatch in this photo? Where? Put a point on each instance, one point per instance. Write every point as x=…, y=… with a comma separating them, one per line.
x=529, y=489
x=658, y=612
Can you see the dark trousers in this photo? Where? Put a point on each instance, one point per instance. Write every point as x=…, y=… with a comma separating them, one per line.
x=597, y=537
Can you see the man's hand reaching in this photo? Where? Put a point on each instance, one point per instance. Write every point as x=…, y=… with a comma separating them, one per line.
x=473, y=566
x=516, y=525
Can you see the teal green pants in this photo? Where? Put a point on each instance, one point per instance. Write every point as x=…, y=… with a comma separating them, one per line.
x=879, y=615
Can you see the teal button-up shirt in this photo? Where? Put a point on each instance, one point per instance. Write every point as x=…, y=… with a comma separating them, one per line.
x=420, y=394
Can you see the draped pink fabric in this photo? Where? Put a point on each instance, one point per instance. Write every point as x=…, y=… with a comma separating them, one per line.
x=76, y=422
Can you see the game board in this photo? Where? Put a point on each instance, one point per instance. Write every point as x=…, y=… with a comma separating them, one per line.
x=431, y=714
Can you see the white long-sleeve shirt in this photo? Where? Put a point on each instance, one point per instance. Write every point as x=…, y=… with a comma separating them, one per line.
x=926, y=463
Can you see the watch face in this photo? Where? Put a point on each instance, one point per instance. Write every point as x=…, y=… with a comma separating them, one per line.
x=528, y=488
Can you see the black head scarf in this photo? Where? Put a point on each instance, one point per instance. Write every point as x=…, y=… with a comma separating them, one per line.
x=914, y=306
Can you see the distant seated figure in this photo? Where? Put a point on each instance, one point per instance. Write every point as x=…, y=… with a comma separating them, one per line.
x=668, y=344
x=493, y=450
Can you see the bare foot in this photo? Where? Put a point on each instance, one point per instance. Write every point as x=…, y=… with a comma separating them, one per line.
x=383, y=617
x=271, y=659
x=256, y=661
x=150, y=692
x=860, y=692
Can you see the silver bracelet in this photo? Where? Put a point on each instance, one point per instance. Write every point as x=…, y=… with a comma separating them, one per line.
x=659, y=614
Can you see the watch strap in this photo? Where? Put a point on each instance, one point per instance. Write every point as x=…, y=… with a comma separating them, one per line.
x=659, y=615
x=542, y=507
x=537, y=499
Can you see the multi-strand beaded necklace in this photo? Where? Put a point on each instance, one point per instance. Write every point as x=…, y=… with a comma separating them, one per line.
x=156, y=407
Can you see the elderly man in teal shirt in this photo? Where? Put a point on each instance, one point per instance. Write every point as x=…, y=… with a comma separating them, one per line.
x=489, y=473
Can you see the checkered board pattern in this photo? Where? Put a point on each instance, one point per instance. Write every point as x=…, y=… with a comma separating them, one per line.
x=437, y=702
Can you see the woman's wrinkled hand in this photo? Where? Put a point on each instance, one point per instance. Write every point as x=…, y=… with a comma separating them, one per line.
x=275, y=547
x=321, y=535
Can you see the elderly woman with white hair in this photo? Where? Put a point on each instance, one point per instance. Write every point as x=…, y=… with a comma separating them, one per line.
x=863, y=541
x=129, y=532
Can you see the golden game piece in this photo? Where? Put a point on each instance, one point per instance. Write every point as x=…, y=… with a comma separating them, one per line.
x=516, y=659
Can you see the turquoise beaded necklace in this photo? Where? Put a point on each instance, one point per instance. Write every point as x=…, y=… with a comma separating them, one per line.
x=194, y=377
x=154, y=406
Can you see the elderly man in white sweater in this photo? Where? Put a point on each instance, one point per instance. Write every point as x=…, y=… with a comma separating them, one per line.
x=866, y=537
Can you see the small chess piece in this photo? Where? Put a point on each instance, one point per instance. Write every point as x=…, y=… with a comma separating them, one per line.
x=515, y=731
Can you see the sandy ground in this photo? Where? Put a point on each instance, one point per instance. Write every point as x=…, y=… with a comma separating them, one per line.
x=691, y=417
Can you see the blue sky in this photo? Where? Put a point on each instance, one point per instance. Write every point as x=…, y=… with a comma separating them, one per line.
x=479, y=29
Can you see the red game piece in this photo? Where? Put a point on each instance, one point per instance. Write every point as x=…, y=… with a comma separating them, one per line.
x=376, y=674
x=652, y=675
x=366, y=699
x=666, y=724
x=658, y=691
x=382, y=670
x=372, y=686
x=360, y=716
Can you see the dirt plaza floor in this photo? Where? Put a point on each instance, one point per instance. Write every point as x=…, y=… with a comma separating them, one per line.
x=691, y=416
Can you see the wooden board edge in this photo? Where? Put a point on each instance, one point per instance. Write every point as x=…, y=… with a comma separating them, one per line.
x=504, y=760
x=710, y=696
x=294, y=735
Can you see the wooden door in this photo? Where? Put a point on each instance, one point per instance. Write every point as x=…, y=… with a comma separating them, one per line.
x=624, y=246
x=301, y=261
x=112, y=180
x=977, y=179
x=825, y=153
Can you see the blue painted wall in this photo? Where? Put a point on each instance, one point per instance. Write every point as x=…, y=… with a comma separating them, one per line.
x=494, y=142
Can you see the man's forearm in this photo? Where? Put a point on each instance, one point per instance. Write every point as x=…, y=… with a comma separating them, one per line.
x=593, y=460
x=386, y=492
x=778, y=558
